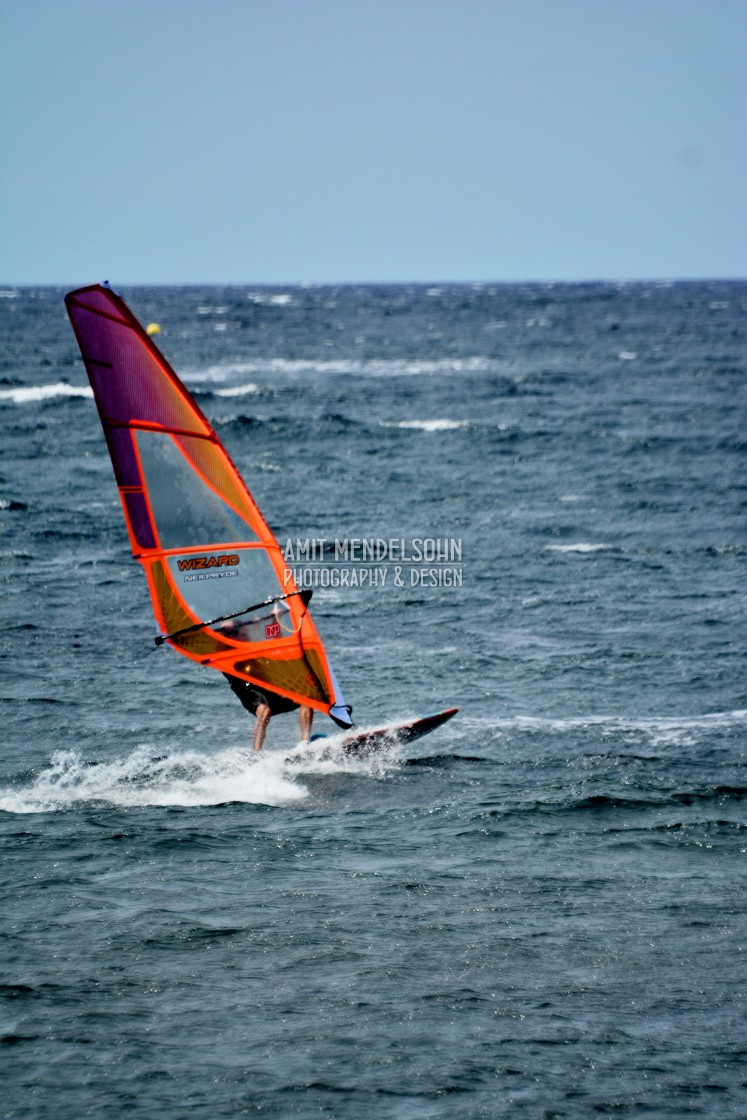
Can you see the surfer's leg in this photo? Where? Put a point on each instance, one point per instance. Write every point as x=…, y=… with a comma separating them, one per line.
x=260, y=728
x=305, y=717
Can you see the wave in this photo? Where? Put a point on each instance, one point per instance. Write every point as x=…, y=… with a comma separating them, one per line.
x=580, y=547
x=660, y=731
x=442, y=761
x=427, y=425
x=635, y=805
x=205, y=379
x=363, y=367
x=28, y=394
x=653, y=731
x=709, y=808
x=702, y=806
x=238, y=391
x=717, y=795
x=186, y=778
x=706, y=721
x=274, y=299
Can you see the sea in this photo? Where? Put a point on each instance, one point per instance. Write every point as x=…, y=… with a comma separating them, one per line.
x=526, y=501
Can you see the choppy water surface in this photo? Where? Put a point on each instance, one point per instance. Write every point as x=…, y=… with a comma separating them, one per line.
x=537, y=911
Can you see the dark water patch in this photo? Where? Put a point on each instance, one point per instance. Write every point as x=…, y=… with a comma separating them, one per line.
x=66, y=535
x=16, y=991
x=601, y=803
x=718, y=793
x=190, y=937
x=192, y=838
x=612, y=804
x=441, y=761
x=708, y=826
x=23, y=992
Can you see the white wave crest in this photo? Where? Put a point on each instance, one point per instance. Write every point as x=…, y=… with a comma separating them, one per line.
x=373, y=367
x=660, y=730
x=30, y=393
x=444, y=425
x=238, y=391
x=582, y=546
x=274, y=299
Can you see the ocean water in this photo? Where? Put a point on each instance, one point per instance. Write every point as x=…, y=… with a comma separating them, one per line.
x=538, y=910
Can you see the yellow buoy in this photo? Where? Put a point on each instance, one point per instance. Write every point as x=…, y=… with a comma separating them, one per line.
x=153, y=328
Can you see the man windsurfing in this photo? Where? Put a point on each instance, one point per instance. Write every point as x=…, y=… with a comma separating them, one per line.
x=264, y=704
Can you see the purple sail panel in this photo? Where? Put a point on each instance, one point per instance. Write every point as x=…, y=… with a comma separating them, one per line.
x=131, y=383
x=124, y=460
x=136, y=509
x=100, y=299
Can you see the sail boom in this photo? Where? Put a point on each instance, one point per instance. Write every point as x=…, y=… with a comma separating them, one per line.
x=236, y=614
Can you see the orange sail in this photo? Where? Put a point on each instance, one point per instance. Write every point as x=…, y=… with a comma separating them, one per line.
x=221, y=592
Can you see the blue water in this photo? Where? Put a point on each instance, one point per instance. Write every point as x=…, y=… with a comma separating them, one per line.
x=538, y=910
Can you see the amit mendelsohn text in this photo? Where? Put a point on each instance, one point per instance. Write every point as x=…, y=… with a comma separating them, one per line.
x=366, y=550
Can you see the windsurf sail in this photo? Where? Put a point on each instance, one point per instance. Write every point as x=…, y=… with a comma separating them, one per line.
x=221, y=592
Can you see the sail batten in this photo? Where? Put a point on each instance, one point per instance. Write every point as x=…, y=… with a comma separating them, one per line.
x=193, y=524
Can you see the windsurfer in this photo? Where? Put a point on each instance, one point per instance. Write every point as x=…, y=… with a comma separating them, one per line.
x=264, y=704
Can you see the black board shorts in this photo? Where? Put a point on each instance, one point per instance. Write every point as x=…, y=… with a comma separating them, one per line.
x=251, y=697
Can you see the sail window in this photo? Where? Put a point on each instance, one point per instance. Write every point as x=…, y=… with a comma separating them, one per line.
x=185, y=508
x=212, y=585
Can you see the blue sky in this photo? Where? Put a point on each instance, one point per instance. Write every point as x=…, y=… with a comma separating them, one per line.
x=278, y=141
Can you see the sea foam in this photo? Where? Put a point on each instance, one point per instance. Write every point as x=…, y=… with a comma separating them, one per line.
x=32, y=393
x=185, y=778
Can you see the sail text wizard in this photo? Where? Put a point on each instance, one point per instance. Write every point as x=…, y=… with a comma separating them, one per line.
x=375, y=550
x=225, y=561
